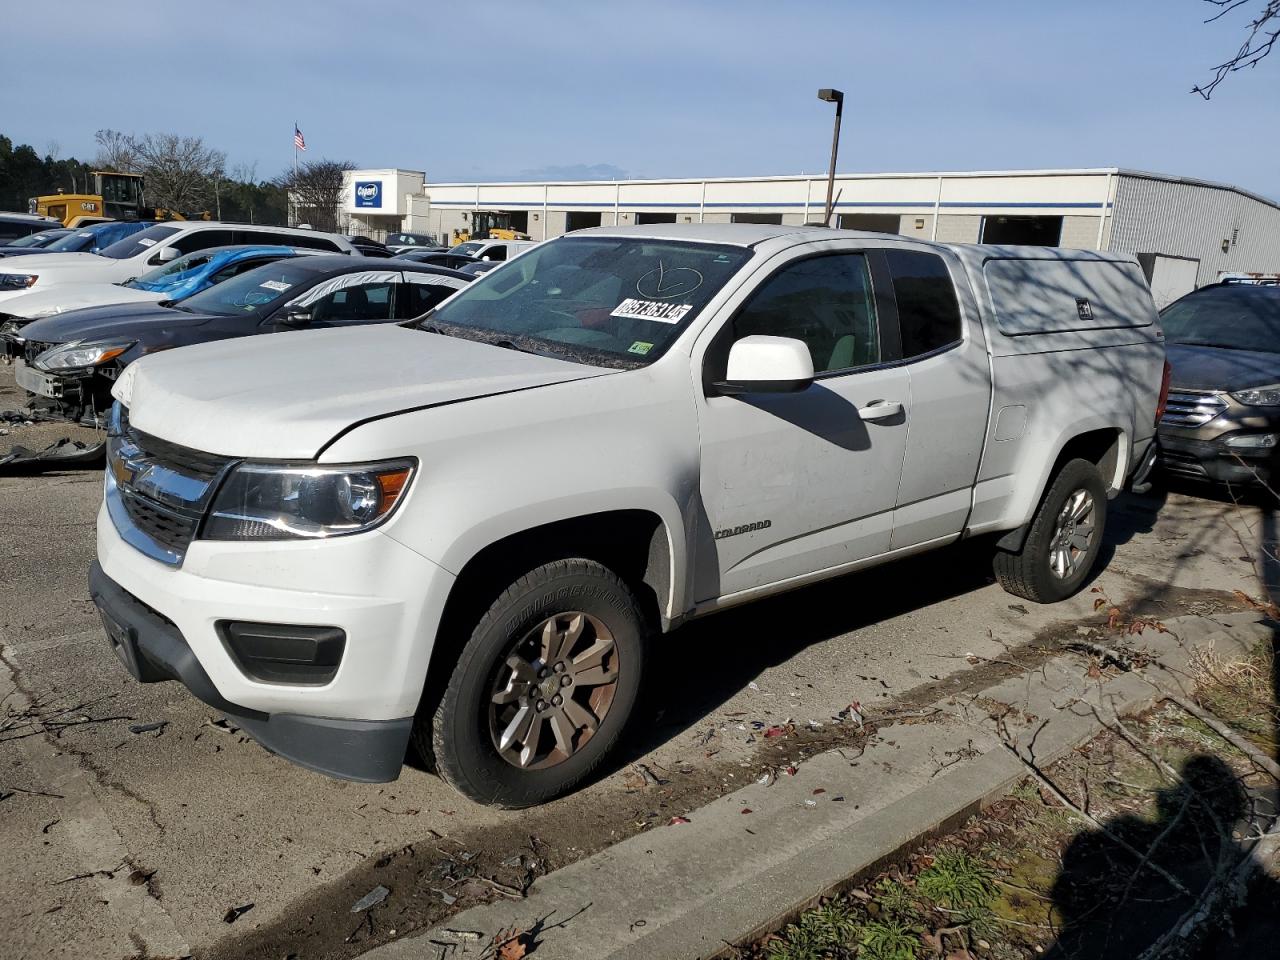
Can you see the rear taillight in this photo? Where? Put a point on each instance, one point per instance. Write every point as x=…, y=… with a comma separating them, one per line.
x=1164, y=392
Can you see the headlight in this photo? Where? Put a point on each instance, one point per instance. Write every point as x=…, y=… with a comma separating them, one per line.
x=69, y=356
x=265, y=501
x=18, y=281
x=1260, y=396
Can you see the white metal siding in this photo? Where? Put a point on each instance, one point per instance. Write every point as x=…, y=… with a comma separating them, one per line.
x=1192, y=220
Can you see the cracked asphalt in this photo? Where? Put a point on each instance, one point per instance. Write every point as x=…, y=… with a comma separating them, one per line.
x=145, y=844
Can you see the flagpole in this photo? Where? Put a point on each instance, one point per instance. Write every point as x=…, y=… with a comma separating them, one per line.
x=295, y=149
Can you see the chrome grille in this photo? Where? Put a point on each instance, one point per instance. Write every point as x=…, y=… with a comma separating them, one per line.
x=158, y=492
x=1192, y=408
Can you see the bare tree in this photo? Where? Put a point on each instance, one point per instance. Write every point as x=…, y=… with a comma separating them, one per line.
x=315, y=192
x=116, y=151
x=1263, y=31
x=181, y=172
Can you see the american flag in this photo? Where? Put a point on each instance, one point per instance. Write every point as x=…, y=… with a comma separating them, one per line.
x=298, y=141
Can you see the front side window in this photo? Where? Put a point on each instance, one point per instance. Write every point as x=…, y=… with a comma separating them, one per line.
x=827, y=302
x=138, y=243
x=620, y=300
x=928, y=313
x=203, y=240
x=353, y=298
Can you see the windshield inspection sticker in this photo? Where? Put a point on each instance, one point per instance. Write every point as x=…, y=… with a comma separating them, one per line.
x=651, y=310
x=640, y=347
x=279, y=286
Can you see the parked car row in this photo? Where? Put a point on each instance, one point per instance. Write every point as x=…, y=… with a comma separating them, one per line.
x=73, y=322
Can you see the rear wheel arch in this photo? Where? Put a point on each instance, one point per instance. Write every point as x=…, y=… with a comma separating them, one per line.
x=1107, y=448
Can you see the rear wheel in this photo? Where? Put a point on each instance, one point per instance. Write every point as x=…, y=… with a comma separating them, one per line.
x=1064, y=540
x=543, y=688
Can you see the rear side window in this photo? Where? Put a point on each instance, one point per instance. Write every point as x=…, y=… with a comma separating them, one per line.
x=928, y=313
x=203, y=240
x=423, y=291
x=295, y=240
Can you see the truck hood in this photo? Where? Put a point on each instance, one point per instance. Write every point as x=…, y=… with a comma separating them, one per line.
x=73, y=296
x=286, y=395
x=1217, y=368
x=134, y=320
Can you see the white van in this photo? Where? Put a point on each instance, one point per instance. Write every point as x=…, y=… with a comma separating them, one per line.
x=137, y=253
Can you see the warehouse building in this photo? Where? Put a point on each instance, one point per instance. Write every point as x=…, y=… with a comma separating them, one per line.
x=1185, y=232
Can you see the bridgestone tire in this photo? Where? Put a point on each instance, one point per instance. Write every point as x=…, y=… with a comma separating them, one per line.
x=458, y=734
x=1027, y=573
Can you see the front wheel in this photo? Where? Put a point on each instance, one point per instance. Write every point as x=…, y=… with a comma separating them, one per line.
x=543, y=689
x=1064, y=540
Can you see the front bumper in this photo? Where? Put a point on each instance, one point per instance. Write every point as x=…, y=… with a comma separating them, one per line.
x=1213, y=461
x=164, y=624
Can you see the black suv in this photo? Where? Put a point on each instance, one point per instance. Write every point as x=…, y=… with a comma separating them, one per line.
x=1222, y=422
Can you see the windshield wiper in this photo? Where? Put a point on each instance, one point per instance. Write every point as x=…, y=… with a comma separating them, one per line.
x=1220, y=346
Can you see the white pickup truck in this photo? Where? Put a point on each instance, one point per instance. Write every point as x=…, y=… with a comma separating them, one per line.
x=462, y=532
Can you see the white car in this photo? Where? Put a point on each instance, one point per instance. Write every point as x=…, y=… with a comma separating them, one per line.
x=493, y=249
x=463, y=532
x=139, y=252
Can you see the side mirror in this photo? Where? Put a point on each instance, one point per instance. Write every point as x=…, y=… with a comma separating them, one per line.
x=295, y=317
x=166, y=254
x=767, y=365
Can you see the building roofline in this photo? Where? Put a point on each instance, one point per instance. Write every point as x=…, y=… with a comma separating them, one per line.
x=918, y=175
x=794, y=178
x=1197, y=182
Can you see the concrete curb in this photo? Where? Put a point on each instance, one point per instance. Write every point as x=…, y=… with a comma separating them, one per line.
x=693, y=890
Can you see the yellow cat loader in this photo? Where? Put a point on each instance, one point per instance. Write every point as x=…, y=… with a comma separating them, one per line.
x=116, y=196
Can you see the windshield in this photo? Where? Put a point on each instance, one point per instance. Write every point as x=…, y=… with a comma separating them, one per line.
x=254, y=291
x=624, y=299
x=161, y=278
x=1236, y=317
x=138, y=243
x=72, y=242
x=34, y=240
x=468, y=249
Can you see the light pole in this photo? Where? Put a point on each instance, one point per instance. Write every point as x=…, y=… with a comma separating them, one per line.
x=836, y=97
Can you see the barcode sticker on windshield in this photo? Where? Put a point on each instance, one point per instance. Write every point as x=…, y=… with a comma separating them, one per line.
x=651, y=310
x=277, y=285
x=146, y=241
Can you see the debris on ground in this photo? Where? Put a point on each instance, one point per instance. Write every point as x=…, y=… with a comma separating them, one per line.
x=370, y=899
x=235, y=913
x=1156, y=838
x=62, y=453
x=157, y=725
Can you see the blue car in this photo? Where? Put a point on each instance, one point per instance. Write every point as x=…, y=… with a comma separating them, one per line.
x=198, y=271
x=97, y=237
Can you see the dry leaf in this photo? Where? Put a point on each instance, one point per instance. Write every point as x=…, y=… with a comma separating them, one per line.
x=512, y=945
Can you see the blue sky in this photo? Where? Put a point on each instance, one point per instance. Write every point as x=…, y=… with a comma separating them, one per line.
x=496, y=88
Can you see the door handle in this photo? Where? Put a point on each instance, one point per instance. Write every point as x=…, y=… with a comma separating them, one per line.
x=880, y=410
